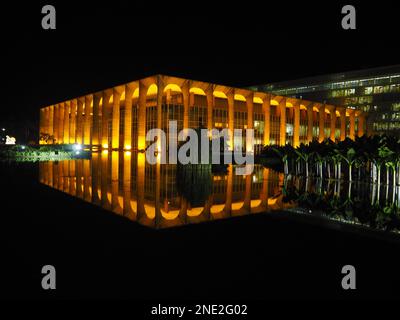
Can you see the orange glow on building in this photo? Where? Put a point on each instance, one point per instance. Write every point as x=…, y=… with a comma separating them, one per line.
x=97, y=119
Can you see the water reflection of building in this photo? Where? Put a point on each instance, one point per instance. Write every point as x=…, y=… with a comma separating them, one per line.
x=119, y=117
x=123, y=182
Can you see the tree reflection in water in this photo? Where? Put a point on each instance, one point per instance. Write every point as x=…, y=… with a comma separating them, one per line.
x=371, y=205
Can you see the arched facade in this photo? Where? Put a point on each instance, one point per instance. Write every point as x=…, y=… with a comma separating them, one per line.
x=118, y=118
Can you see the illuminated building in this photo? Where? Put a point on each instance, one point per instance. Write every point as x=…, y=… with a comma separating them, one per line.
x=376, y=91
x=118, y=118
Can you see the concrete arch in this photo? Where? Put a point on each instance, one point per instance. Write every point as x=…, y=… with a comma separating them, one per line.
x=239, y=97
x=198, y=91
x=258, y=100
x=152, y=90
x=173, y=87
x=220, y=94
x=122, y=97
x=135, y=93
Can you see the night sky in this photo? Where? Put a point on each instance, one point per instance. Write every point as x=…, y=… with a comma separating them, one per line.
x=98, y=45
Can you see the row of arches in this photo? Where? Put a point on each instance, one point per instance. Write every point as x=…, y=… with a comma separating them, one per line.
x=118, y=118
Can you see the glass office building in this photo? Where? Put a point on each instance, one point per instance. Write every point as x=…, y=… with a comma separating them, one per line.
x=376, y=91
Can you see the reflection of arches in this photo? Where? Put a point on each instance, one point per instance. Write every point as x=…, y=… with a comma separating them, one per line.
x=194, y=212
x=150, y=211
x=121, y=202
x=134, y=205
x=170, y=215
x=217, y=208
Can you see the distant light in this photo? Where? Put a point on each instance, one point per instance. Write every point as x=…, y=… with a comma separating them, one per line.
x=10, y=140
x=23, y=147
x=77, y=147
x=105, y=146
x=77, y=152
x=128, y=147
x=3, y=129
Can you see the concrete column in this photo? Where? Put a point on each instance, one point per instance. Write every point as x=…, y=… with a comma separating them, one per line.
x=56, y=123
x=352, y=124
x=88, y=120
x=128, y=118
x=282, y=111
x=310, y=116
x=105, y=117
x=267, y=118
x=61, y=108
x=231, y=118
x=142, y=116
x=72, y=122
x=115, y=118
x=185, y=94
x=66, y=122
x=96, y=119
x=250, y=119
x=79, y=121
x=51, y=122
x=296, y=124
x=342, y=112
x=321, y=115
x=332, y=111
x=115, y=207
x=160, y=92
x=361, y=123
x=46, y=119
x=210, y=106
x=42, y=124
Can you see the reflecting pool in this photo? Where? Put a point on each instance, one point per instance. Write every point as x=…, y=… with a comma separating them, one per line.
x=167, y=195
